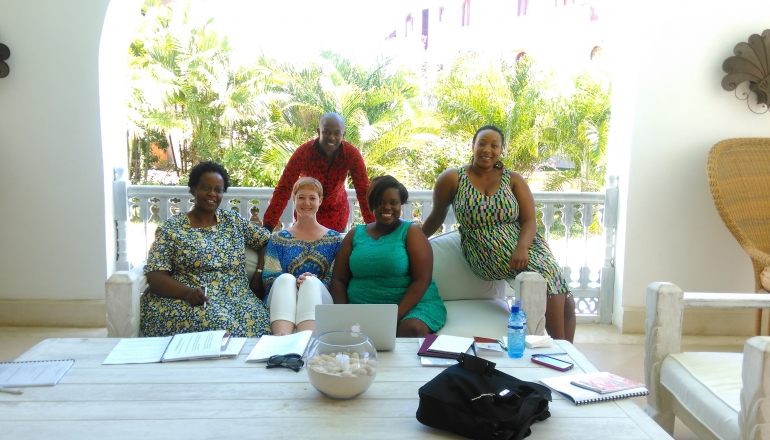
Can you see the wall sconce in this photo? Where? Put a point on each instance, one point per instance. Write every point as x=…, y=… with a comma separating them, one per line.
x=748, y=72
x=5, y=53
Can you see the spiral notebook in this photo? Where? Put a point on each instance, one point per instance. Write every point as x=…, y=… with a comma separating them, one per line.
x=33, y=373
x=581, y=396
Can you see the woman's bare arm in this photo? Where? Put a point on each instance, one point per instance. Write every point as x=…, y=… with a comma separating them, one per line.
x=443, y=194
x=341, y=275
x=255, y=284
x=527, y=220
x=421, y=267
x=164, y=285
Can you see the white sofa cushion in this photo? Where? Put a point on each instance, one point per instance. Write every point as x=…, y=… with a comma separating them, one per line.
x=251, y=262
x=708, y=385
x=453, y=275
x=477, y=317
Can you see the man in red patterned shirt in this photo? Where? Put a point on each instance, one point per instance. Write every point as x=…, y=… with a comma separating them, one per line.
x=327, y=158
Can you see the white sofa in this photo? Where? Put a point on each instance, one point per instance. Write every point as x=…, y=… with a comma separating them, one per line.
x=474, y=307
x=717, y=395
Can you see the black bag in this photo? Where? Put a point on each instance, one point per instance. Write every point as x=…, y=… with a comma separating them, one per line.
x=474, y=400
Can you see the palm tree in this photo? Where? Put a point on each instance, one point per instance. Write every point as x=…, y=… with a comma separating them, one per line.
x=185, y=88
x=380, y=106
x=579, y=130
x=474, y=93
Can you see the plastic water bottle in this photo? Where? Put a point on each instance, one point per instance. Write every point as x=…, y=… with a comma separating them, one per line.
x=516, y=332
x=522, y=315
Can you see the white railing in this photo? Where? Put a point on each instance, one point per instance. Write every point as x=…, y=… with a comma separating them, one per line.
x=586, y=254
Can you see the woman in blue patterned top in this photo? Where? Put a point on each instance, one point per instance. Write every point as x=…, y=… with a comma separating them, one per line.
x=298, y=264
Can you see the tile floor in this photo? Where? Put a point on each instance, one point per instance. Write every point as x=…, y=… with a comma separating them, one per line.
x=603, y=345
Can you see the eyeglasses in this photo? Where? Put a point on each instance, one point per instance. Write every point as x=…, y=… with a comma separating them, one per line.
x=291, y=360
x=206, y=188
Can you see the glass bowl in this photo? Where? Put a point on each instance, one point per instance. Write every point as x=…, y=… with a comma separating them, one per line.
x=341, y=364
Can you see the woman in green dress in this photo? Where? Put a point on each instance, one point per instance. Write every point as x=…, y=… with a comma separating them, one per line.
x=196, y=267
x=390, y=262
x=495, y=211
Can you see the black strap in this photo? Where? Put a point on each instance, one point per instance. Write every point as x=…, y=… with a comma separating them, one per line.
x=476, y=364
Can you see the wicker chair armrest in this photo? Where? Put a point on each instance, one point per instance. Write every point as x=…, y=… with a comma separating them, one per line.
x=758, y=255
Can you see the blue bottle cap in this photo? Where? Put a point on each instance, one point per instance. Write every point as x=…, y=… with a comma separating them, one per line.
x=515, y=308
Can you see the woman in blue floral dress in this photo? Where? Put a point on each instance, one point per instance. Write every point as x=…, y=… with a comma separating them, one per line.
x=196, y=267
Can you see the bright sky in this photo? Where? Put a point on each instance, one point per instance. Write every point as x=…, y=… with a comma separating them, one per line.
x=297, y=29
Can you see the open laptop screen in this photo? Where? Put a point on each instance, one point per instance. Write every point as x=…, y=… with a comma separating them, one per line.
x=377, y=321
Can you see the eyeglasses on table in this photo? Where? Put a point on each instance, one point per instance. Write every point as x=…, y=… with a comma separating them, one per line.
x=291, y=360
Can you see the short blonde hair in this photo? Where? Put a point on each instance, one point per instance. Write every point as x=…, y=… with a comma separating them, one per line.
x=308, y=182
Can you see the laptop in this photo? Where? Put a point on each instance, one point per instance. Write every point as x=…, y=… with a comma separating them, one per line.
x=377, y=321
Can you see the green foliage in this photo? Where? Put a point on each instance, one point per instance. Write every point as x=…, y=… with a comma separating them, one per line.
x=184, y=88
x=380, y=105
x=187, y=99
x=579, y=130
x=476, y=93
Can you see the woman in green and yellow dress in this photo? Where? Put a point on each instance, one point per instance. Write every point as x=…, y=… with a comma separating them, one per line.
x=196, y=267
x=495, y=211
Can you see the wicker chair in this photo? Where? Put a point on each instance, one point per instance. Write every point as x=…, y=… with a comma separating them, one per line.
x=739, y=178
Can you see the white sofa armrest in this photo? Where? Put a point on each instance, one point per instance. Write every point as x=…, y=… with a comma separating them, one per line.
x=122, y=293
x=662, y=337
x=532, y=289
x=754, y=417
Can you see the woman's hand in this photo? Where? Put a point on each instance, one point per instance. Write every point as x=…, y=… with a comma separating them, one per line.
x=196, y=297
x=519, y=259
x=301, y=278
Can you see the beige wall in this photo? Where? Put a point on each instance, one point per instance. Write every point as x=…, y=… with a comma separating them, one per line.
x=53, y=234
x=668, y=111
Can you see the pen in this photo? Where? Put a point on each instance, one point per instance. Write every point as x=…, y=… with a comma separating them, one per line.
x=502, y=344
x=9, y=391
x=205, y=292
x=548, y=354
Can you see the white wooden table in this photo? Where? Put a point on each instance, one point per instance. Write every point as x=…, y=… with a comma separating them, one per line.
x=230, y=398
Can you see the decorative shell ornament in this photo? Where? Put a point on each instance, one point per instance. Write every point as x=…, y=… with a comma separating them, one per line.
x=748, y=72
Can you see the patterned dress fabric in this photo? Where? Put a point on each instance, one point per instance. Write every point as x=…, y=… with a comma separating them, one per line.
x=309, y=160
x=489, y=232
x=212, y=257
x=381, y=275
x=288, y=254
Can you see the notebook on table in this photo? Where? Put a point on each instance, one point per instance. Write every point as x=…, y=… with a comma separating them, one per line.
x=452, y=346
x=377, y=321
x=580, y=395
x=33, y=373
x=269, y=345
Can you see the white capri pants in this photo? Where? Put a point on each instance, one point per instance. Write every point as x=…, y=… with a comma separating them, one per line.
x=287, y=303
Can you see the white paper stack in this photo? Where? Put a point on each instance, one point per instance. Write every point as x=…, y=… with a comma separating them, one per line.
x=534, y=341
